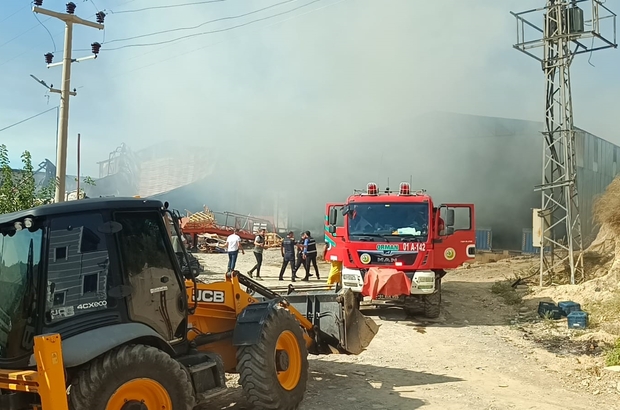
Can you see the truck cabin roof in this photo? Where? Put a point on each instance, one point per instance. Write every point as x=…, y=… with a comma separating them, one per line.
x=82, y=205
x=392, y=197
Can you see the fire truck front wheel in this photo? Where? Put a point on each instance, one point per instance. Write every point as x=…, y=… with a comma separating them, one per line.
x=432, y=303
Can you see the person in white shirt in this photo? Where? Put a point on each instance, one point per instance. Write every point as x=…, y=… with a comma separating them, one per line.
x=234, y=246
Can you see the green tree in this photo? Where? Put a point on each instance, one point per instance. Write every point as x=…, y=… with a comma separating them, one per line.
x=18, y=191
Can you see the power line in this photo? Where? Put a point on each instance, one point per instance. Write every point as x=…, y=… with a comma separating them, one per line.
x=165, y=7
x=94, y=5
x=46, y=29
x=33, y=47
x=202, y=24
x=219, y=42
x=209, y=32
x=19, y=35
x=28, y=119
x=14, y=13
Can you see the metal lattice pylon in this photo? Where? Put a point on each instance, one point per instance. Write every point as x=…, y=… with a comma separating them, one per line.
x=561, y=244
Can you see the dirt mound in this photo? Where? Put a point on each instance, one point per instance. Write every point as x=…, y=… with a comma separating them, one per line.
x=607, y=207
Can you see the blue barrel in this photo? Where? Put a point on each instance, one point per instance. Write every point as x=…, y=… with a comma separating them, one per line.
x=484, y=239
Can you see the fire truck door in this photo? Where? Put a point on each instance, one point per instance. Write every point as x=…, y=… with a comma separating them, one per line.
x=457, y=242
x=334, y=228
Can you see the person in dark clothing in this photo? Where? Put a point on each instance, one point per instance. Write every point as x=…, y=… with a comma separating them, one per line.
x=259, y=245
x=300, y=253
x=288, y=255
x=309, y=255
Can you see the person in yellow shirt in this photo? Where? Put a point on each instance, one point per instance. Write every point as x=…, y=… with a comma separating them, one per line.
x=335, y=272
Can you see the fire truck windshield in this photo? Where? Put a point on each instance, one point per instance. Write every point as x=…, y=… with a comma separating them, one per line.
x=389, y=220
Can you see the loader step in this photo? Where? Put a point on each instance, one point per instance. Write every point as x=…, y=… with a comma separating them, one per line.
x=206, y=396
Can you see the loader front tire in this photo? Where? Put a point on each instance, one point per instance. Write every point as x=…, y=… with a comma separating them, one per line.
x=274, y=372
x=132, y=374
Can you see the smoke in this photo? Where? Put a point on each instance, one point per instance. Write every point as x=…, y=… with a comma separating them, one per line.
x=318, y=105
x=315, y=103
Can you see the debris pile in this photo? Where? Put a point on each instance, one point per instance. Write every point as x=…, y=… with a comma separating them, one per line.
x=210, y=237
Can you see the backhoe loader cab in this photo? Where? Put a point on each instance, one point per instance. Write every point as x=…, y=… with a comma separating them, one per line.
x=97, y=314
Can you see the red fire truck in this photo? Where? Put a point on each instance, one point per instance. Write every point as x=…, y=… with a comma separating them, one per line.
x=395, y=247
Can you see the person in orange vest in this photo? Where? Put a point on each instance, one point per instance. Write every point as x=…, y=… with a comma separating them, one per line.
x=335, y=271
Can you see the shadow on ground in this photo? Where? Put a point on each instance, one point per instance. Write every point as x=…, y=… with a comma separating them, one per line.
x=336, y=385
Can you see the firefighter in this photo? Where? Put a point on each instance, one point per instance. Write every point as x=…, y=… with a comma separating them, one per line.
x=309, y=255
x=259, y=246
x=288, y=255
x=300, y=252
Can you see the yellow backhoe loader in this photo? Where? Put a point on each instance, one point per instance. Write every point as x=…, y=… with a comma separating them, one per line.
x=96, y=313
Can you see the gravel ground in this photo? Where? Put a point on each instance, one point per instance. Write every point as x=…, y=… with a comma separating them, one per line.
x=470, y=358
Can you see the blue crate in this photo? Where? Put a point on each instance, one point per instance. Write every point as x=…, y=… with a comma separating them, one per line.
x=567, y=307
x=484, y=239
x=549, y=309
x=577, y=320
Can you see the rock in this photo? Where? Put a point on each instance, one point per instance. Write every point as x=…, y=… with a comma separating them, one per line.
x=352, y=398
x=359, y=373
x=524, y=309
x=503, y=385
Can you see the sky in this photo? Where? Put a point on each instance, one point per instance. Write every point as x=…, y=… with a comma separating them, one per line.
x=282, y=91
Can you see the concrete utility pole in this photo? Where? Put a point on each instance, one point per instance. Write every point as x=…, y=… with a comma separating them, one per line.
x=564, y=28
x=69, y=18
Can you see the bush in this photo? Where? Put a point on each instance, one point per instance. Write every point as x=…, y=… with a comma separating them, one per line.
x=613, y=355
x=18, y=191
x=507, y=292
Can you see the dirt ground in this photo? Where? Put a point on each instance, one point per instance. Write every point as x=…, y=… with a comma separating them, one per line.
x=481, y=354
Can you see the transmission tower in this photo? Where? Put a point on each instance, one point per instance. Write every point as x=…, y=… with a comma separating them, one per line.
x=560, y=38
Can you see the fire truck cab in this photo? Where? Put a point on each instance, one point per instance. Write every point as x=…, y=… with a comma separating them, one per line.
x=395, y=247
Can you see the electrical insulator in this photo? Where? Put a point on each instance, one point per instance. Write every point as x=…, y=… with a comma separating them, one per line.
x=48, y=58
x=71, y=7
x=38, y=2
x=100, y=17
x=95, y=47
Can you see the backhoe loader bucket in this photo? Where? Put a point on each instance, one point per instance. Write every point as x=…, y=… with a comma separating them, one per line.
x=338, y=325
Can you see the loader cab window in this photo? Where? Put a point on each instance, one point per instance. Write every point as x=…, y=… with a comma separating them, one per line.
x=77, y=272
x=20, y=256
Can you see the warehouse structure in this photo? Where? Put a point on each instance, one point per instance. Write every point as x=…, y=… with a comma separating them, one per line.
x=494, y=163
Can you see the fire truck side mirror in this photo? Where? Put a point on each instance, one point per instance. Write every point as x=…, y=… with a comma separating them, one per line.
x=332, y=229
x=333, y=217
x=449, y=230
x=449, y=218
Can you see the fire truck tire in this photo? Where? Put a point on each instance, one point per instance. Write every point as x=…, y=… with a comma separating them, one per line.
x=132, y=374
x=432, y=303
x=274, y=372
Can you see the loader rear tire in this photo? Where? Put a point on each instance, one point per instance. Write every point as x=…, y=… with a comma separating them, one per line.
x=132, y=374
x=274, y=372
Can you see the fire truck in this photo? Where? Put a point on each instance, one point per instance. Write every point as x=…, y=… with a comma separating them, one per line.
x=395, y=247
